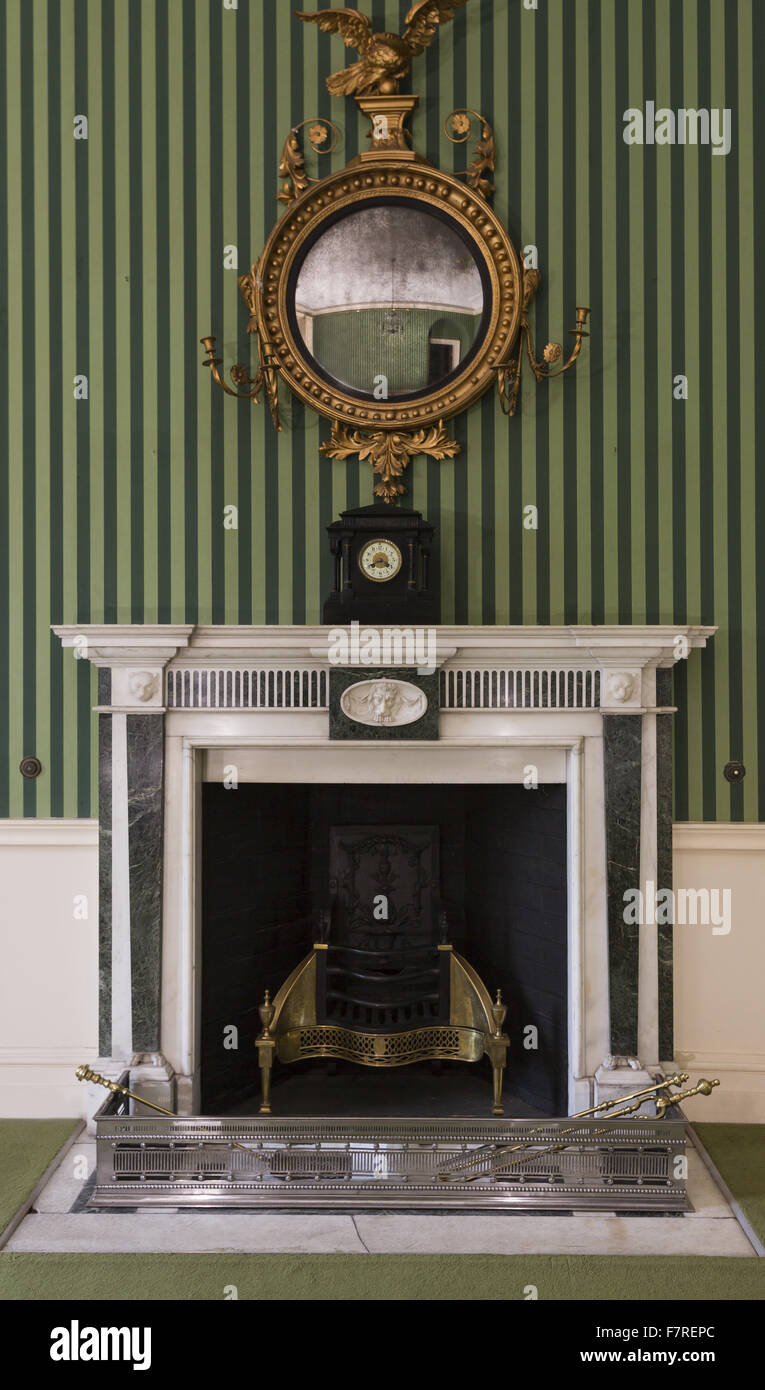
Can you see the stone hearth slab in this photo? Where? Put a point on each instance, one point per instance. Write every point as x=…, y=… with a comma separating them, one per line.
x=211, y=1232
x=710, y=1229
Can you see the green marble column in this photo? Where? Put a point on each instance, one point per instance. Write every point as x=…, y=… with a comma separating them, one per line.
x=664, y=865
x=622, y=737
x=104, y=866
x=145, y=737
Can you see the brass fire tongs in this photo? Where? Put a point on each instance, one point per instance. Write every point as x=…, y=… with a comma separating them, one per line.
x=663, y=1103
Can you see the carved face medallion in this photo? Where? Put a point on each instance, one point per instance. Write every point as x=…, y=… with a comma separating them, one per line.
x=390, y=702
x=620, y=686
x=142, y=685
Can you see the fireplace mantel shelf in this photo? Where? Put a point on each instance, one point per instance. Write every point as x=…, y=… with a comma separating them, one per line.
x=639, y=645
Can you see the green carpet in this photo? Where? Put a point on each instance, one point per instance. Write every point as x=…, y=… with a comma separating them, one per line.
x=738, y=1151
x=26, y=1149
x=377, y=1277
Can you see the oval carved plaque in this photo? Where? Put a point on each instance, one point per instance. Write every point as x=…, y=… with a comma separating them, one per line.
x=383, y=702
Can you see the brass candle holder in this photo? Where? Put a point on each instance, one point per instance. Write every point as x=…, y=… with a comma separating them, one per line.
x=509, y=370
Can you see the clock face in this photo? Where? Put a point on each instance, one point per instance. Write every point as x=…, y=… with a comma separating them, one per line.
x=380, y=560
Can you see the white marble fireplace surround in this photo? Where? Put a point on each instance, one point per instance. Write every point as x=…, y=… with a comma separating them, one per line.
x=255, y=700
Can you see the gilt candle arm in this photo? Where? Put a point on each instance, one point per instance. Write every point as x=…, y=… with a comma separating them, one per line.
x=553, y=351
x=238, y=374
x=508, y=370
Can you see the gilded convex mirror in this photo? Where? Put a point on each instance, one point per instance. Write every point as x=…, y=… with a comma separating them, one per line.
x=389, y=297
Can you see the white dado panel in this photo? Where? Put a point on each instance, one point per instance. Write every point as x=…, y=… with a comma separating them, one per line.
x=49, y=953
x=719, y=1013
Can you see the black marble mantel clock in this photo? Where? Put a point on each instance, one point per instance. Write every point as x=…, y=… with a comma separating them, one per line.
x=381, y=567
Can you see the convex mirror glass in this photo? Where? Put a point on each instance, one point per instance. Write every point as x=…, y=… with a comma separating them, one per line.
x=389, y=300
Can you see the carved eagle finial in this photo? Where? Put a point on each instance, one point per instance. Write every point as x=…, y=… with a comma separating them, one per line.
x=383, y=58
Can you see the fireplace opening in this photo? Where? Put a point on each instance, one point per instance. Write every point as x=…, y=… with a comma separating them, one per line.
x=500, y=856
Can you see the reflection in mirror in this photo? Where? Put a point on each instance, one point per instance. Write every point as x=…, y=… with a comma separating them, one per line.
x=389, y=301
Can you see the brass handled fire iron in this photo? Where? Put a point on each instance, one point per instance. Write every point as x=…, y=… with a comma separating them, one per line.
x=664, y=1100
x=85, y=1073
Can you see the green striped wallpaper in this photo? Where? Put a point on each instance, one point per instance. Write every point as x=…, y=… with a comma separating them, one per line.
x=112, y=267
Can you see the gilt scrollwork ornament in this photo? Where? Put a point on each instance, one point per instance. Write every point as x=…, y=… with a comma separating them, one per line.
x=457, y=128
x=509, y=372
x=389, y=451
x=292, y=164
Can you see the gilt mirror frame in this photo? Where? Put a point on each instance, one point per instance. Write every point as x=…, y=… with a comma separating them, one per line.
x=357, y=187
x=389, y=431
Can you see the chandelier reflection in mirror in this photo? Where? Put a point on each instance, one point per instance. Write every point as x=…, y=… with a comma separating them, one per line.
x=389, y=296
x=392, y=323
